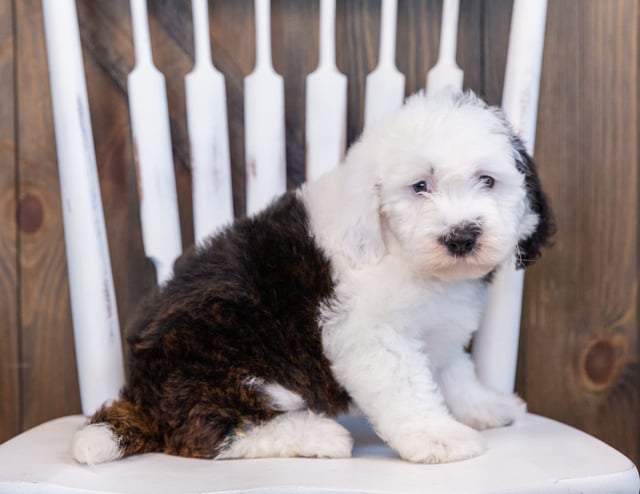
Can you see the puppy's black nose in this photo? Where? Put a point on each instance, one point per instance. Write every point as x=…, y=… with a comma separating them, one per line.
x=461, y=240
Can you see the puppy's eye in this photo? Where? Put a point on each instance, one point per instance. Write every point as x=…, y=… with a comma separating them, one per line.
x=421, y=186
x=487, y=181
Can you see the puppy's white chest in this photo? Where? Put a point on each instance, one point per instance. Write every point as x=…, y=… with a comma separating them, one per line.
x=456, y=312
x=418, y=308
x=452, y=307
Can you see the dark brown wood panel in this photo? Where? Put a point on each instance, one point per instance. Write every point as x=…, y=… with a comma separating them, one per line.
x=295, y=35
x=9, y=330
x=496, y=24
x=172, y=60
x=357, y=28
x=579, y=343
x=49, y=382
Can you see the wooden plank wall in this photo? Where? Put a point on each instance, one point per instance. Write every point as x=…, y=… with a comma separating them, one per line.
x=9, y=336
x=579, y=354
x=580, y=348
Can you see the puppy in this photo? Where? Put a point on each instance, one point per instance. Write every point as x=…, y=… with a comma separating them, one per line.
x=361, y=288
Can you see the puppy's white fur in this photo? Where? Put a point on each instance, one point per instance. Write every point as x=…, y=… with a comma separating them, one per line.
x=404, y=306
x=279, y=397
x=301, y=433
x=95, y=443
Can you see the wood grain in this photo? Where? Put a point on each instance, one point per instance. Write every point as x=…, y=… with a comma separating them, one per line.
x=234, y=20
x=9, y=329
x=580, y=325
x=496, y=24
x=49, y=382
x=295, y=28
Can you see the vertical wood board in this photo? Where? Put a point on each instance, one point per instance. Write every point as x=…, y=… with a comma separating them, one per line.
x=9, y=329
x=580, y=324
x=295, y=55
x=47, y=337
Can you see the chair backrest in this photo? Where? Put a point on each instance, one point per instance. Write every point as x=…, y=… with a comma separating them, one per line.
x=97, y=335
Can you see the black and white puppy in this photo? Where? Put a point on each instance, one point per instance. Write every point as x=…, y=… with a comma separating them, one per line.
x=360, y=288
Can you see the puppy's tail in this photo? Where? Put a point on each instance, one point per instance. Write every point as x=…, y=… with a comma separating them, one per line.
x=116, y=430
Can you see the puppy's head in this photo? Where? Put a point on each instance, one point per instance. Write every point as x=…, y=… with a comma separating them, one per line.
x=446, y=184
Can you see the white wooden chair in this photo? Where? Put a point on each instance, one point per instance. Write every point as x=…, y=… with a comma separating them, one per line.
x=534, y=455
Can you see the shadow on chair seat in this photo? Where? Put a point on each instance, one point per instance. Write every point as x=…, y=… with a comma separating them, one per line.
x=536, y=454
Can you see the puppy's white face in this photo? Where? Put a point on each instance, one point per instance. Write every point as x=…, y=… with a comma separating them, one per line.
x=452, y=200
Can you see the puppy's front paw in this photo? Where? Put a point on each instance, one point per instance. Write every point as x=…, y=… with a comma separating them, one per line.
x=441, y=443
x=489, y=409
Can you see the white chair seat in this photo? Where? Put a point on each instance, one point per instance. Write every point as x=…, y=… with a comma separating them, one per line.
x=535, y=455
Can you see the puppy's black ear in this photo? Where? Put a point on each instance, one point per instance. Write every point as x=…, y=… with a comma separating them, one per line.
x=530, y=244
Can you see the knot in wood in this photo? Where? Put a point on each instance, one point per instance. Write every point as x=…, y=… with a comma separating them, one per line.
x=30, y=213
x=601, y=363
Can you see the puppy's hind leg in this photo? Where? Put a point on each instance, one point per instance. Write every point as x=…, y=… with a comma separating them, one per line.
x=298, y=433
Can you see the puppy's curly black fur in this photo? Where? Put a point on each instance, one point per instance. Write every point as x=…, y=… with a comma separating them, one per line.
x=245, y=304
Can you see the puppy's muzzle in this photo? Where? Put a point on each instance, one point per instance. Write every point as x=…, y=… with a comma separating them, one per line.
x=461, y=239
